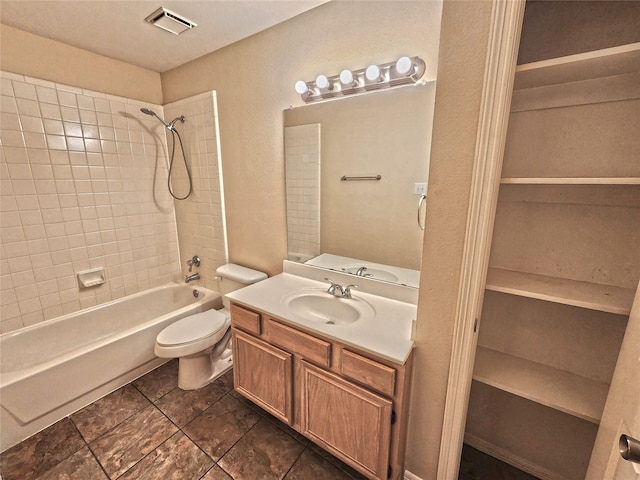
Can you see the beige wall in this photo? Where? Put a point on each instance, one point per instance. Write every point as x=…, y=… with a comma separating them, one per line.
x=38, y=57
x=254, y=81
x=463, y=48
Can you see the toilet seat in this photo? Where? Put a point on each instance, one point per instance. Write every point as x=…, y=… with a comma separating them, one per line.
x=192, y=334
x=192, y=328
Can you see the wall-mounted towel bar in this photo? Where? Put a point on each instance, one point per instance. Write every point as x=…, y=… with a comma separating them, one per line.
x=344, y=178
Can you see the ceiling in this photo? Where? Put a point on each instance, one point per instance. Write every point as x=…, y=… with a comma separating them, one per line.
x=117, y=29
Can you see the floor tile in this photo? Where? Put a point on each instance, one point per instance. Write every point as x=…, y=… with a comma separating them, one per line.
x=219, y=427
x=266, y=453
x=182, y=406
x=216, y=473
x=176, y=459
x=82, y=465
x=104, y=414
x=310, y=465
x=160, y=381
x=476, y=465
x=123, y=446
x=41, y=452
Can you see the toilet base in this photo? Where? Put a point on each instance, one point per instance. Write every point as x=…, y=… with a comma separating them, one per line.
x=196, y=371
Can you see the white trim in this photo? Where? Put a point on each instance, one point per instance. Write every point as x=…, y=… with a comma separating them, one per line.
x=492, y=128
x=407, y=476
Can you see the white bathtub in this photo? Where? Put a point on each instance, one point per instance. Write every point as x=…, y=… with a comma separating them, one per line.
x=54, y=368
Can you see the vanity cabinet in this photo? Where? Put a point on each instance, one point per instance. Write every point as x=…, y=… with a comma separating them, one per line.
x=349, y=402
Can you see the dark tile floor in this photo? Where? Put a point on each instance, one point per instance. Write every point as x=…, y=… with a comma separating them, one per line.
x=152, y=430
x=475, y=465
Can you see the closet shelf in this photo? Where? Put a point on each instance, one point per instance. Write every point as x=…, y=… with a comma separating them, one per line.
x=604, y=298
x=582, y=66
x=571, y=180
x=564, y=391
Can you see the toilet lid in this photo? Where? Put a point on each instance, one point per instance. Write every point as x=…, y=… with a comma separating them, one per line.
x=192, y=328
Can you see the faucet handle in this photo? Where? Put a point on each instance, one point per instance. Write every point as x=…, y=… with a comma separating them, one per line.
x=195, y=260
x=346, y=292
x=333, y=286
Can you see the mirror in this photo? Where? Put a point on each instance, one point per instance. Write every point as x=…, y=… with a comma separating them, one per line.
x=351, y=168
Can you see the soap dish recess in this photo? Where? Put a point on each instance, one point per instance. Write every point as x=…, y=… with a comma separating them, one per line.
x=91, y=278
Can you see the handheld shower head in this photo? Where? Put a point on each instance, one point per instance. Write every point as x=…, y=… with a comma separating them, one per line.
x=146, y=111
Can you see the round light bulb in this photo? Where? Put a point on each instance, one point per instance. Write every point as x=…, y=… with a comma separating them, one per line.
x=404, y=65
x=372, y=73
x=322, y=81
x=346, y=77
x=301, y=87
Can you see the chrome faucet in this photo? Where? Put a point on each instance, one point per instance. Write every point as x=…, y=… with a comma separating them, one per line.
x=338, y=290
x=192, y=277
x=361, y=271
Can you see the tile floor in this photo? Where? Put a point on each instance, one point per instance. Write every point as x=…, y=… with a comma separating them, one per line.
x=152, y=430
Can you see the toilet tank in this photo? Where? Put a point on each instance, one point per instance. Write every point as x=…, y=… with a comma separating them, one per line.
x=233, y=277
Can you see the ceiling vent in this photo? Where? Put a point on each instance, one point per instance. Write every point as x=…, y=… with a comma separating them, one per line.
x=170, y=21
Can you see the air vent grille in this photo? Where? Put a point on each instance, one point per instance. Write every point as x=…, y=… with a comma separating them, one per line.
x=170, y=21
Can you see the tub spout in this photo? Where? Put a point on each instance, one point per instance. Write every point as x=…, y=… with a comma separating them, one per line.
x=189, y=278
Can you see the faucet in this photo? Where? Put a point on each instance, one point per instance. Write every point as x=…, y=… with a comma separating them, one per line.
x=361, y=271
x=193, y=276
x=338, y=290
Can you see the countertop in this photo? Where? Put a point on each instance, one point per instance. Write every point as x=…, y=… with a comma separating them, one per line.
x=387, y=335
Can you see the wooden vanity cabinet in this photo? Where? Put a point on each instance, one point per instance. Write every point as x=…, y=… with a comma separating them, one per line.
x=348, y=402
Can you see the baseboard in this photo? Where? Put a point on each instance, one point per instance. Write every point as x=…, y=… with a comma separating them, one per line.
x=410, y=476
x=510, y=458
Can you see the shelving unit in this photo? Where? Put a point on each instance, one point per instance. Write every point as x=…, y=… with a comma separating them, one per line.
x=604, y=298
x=564, y=262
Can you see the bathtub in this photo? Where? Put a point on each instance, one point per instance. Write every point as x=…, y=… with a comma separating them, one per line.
x=54, y=368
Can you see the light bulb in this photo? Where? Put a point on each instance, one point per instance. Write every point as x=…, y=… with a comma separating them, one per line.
x=372, y=73
x=346, y=77
x=301, y=87
x=322, y=82
x=404, y=65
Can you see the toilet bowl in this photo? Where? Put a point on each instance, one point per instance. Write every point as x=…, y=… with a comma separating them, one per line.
x=202, y=342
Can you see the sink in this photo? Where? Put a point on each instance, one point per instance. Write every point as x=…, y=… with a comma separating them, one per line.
x=316, y=305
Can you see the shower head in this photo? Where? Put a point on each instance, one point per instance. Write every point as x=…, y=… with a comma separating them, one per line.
x=146, y=111
x=169, y=126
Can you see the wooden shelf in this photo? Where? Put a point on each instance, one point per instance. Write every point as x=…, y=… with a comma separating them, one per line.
x=571, y=181
x=558, y=389
x=583, y=66
x=604, y=298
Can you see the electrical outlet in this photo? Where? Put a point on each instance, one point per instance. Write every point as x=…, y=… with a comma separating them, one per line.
x=420, y=188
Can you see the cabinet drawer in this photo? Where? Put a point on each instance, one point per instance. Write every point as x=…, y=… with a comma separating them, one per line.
x=368, y=372
x=306, y=346
x=245, y=319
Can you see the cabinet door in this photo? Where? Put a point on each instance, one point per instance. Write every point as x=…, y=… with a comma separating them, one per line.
x=349, y=421
x=262, y=373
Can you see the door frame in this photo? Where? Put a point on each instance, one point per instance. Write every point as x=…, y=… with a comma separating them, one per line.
x=504, y=40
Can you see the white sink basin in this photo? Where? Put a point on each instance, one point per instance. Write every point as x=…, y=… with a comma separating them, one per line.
x=316, y=305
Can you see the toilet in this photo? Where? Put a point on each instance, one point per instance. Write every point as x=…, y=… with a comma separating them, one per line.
x=202, y=342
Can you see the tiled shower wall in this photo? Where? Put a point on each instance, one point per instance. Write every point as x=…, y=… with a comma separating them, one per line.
x=83, y=186
x=201, y=228
x=302, y=165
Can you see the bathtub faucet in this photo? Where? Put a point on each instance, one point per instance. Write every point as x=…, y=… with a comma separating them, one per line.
x=189, y=278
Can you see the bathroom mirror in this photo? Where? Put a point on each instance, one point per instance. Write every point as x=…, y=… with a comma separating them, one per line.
x=352, y=165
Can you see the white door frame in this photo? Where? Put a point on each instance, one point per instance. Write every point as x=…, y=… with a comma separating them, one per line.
x=504, y=40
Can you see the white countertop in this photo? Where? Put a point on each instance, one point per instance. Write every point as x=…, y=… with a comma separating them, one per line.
x=387, y=334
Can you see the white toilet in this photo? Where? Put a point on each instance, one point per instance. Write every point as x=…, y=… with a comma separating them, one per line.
x=202, y=341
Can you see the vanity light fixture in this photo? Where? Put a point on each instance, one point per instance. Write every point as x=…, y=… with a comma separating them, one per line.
x=406, y=70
